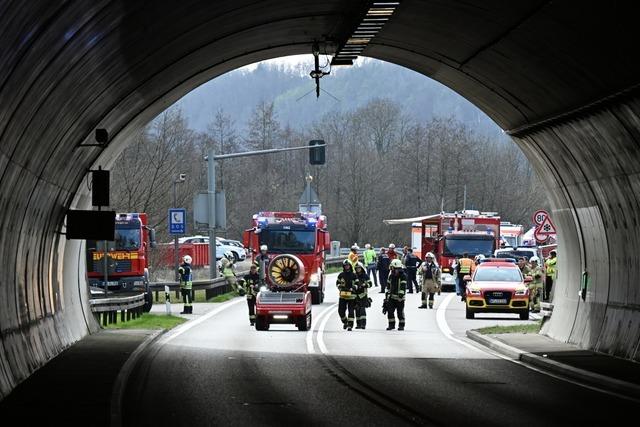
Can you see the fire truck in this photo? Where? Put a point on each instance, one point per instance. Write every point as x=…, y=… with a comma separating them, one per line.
x=127, y=257
x=450, y=235
x=294, y=278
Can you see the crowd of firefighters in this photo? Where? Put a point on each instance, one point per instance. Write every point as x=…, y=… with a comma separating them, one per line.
x=396, y=273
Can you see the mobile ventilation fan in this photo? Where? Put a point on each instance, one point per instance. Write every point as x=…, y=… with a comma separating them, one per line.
x=286, y=270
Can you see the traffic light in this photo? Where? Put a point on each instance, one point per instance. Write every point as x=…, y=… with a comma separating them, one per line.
x=316, y=154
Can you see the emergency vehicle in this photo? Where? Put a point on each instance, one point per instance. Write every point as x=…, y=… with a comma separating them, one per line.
x=450, y=235
x=127, y=257
x=295, y=274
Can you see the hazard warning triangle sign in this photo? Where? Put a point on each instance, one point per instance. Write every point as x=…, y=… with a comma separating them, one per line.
x=546, y=227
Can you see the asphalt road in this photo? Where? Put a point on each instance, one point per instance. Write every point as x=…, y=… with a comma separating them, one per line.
x=218, y=370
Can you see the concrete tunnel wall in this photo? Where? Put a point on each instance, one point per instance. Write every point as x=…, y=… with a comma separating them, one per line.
x=68, y=68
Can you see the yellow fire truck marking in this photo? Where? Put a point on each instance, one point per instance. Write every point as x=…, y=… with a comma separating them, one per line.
x=118, y=256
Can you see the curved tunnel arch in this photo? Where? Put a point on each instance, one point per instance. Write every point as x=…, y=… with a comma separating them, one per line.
x=72, y=68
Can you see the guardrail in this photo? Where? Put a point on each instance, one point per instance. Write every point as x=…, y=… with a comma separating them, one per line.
x=130, y=307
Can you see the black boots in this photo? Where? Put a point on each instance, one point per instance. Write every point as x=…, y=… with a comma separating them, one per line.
x=188, y=309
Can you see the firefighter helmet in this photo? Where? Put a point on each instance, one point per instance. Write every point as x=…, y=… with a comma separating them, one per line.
x=534, y=259
x=229, y=255
x=345, y=263
x=264, y=248
x=396, y=263
x=367, y=246
x=392, y=246
x=359, y=265
x=354, y=247
x=186, y=259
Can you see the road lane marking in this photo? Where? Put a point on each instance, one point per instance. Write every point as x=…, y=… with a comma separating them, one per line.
x=319, y=335
x=187, y=326
x=309, y=337
x=444, y=327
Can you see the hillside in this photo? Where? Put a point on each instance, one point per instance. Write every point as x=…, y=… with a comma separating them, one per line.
x=239, y=91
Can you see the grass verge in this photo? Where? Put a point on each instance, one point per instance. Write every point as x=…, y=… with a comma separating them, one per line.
x=333, y=269
x=200, y=296
x=533, y=328
x=223, y=297
x=149, y=321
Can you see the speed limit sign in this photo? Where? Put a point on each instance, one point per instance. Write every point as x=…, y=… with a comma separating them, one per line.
x=539, y=217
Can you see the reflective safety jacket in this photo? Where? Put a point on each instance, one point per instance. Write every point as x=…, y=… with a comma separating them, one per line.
x=362, y=284
x=369, y=257
x=186, y=278
x=550, y=265
x=251, y=285
x=262, y=262
x=227, y=268
x=353, y=258
x=347, y=285
x=466, y=266
x=397, y=286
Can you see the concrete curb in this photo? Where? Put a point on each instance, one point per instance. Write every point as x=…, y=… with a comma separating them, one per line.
x=590, y=378
x=123, y=376
x=500, y=347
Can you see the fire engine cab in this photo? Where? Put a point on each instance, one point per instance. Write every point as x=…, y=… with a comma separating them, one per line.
x=295, y=274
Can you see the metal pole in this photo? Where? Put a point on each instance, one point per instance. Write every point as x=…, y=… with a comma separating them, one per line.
x=211, y=192
x=106, y=273
x=176, y=254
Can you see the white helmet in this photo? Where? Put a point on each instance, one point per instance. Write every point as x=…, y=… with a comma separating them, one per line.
x=534, y=259
x=392, y=246
x=263, y=247
x=187, y=259
x=354, y=246
x=367, y=246
x=229, y=255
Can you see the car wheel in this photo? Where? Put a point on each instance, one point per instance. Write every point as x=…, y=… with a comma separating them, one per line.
x=316, y=296
x=262, y=324
x=470, y=314
x=524, y=315
x=236, y=257
x=304, y=324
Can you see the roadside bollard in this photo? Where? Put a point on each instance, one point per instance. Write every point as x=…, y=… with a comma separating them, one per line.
x=167, y=299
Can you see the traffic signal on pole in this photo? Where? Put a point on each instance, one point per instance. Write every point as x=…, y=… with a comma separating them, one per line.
x=316, y=154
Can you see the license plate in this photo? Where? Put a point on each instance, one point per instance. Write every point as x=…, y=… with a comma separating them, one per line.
x=498, y=301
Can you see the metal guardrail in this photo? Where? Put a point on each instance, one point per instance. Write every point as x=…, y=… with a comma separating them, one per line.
x=130, y=307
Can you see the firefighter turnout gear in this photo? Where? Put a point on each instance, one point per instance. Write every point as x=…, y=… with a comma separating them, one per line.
x=370, y=262
x=536, y=286
x=430, y=274
x=362, y=283
x=348, y=293
x=229, y=274
x=395, y=295
x=252, y=287
x=186, y=285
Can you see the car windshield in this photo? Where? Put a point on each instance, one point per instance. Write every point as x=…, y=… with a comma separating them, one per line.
x=281, y=241
x=471, y=245
x=515, y=254
x=497, y=274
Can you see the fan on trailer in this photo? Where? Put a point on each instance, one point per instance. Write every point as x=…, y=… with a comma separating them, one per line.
x=286, y=270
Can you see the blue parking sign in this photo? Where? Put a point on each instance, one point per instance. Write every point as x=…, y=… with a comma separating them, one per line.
x=177, y=221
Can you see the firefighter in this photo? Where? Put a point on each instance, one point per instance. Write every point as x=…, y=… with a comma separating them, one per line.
x=392, y=252
x=523, y=265
x=347, y=287
x=353, y=256
x=466, y=266
x=370, y=261
x=430, y=274
x=186, y=284
x=411, y=264
x=262, y=262
x=394, y=299
x=383, y=269
x=550, y=274
x=535, y=286
x=228, y=271
x=252, y=287
x=363, y=282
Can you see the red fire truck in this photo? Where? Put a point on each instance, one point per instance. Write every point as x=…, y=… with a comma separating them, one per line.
x=450, y=235
x=294, y=279
x=127, y=259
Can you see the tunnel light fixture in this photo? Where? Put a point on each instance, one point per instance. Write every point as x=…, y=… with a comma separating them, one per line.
x=372, y=21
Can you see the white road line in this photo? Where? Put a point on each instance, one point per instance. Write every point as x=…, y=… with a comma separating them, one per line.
x=186, y=326
x=319, y=335
x=309, y=337
x=444, y=327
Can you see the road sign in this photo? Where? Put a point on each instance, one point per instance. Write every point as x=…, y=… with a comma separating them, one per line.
x=546, y=227
x=177, y=221
x=539, y=216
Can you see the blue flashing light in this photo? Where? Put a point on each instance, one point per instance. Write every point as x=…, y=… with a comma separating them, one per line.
x=450, y=228
x=311, y=222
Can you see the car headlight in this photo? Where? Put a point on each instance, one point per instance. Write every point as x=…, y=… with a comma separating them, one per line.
x=522, y=291
x=474, y=291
